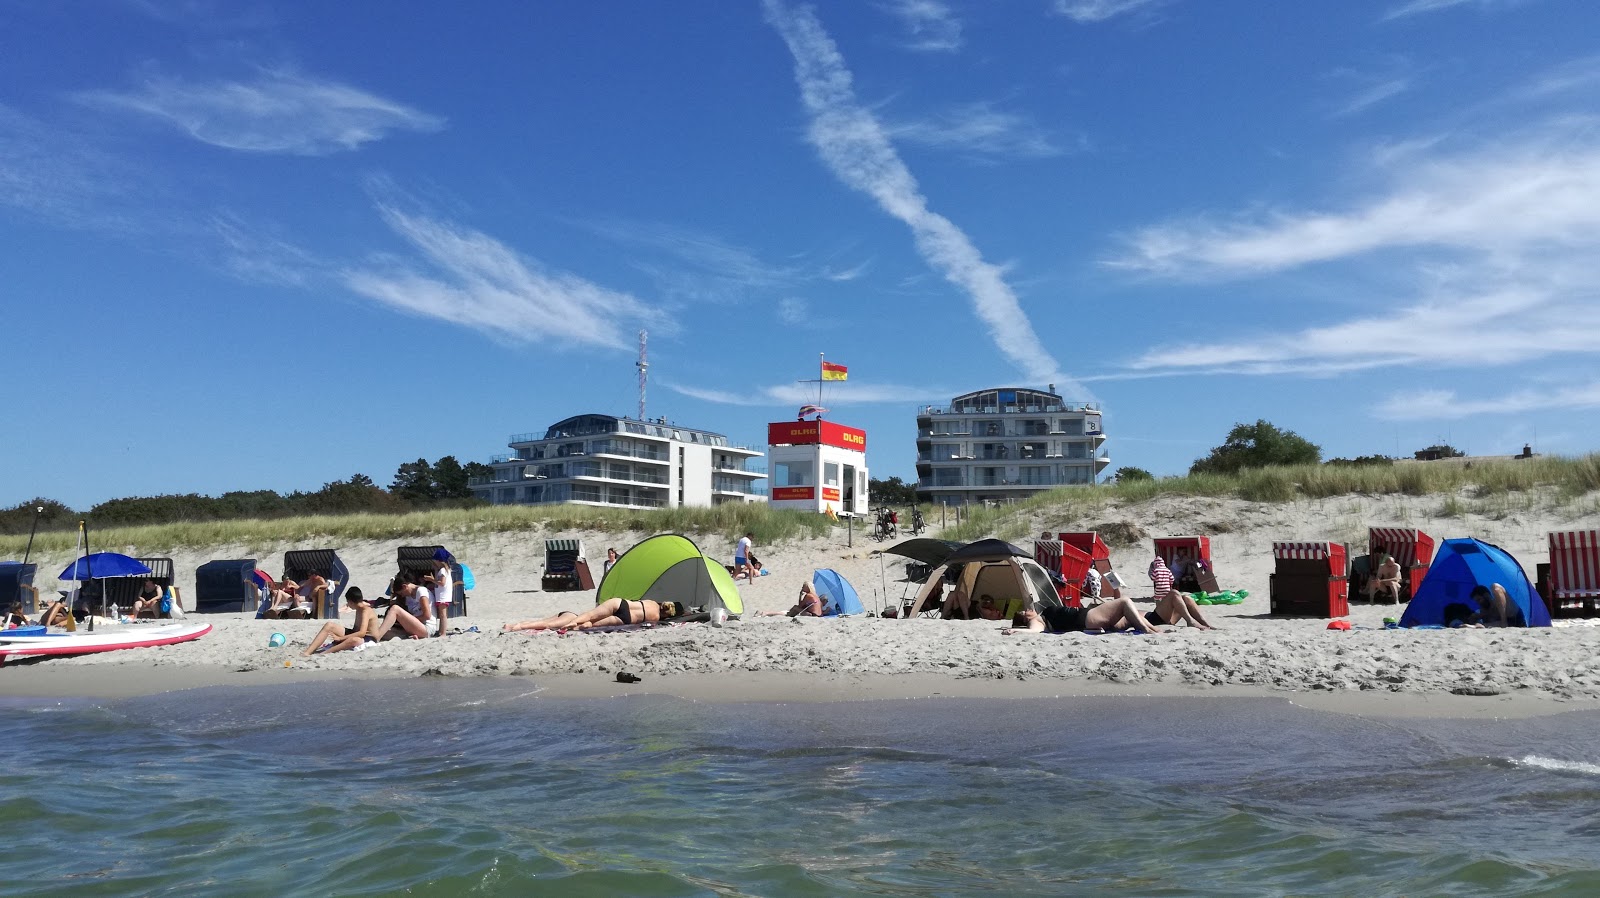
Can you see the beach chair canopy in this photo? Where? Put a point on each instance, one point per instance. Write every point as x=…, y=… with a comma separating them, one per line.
x=984, y=549
x=670, y=568
x=226, y=585
x=1460, y=566
x=1087, y=541
x=838, y=596
x=1065, y=561
x=924, y=549
x=16, y=585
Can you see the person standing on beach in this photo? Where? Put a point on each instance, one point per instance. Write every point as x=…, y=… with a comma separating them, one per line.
x=443, y=592
x=611, y=559
x=741, y=558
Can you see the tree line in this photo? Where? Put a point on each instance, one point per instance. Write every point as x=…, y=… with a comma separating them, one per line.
x=416, y=486
x=1264, y=445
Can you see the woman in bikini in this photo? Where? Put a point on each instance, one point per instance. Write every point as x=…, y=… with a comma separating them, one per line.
x=561, y=621
x=335, y=638
x=1175, y=608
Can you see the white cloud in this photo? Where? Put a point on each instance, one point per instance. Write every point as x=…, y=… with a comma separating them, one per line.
x=793, y=311
x=484, y=285
x=930, y=24
x=837, y=395
x=278, y=112
x=856, y=147
x=1088, y=11
x=1541, y=191
x=1494, y=244
x=978, y=128
x=848, y=274
x=1446, y=404
x=1372, y=95
x=1420, y=7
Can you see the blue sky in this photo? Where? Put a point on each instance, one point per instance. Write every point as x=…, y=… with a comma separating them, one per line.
x=270, y=246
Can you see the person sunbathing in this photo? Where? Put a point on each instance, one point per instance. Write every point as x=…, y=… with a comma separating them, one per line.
x=287, y=601
x=620, y=612
x=15, y=617
x=1386, y=579
x=1175, y=608
x=57, y=615
x=808, y=605
x=1495, y=608
x=562, y=620
x=989, y=609
x=149, y=601
x=335, y=638
x=1117, y=614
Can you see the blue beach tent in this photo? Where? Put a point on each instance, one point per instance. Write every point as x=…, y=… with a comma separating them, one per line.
x=838, y=596
x=1461, y=565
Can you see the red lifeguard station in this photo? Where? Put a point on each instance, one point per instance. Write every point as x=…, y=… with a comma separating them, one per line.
x=1309, y=579
x=1069, y=561
x=1574, y=573
x=1412, y=550
x=1196, y=548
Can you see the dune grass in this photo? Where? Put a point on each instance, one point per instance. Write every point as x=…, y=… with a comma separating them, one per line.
x=1497, y=487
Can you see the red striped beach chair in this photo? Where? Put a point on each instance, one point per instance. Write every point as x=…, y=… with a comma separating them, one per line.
x=1412, y=550
x=1197, y=548
x=1574, y=573
x=1062, y=558
x=1309, y=578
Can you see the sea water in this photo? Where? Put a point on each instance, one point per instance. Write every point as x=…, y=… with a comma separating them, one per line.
x=488, y=787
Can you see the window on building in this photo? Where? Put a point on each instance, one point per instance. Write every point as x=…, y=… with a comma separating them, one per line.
x=792, y=474
x=830, y=473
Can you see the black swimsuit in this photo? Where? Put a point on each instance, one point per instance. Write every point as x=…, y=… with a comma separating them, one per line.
x=624, y=614
x=1064, y=620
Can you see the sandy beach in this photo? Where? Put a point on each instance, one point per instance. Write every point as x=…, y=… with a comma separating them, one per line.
x=1368, y=669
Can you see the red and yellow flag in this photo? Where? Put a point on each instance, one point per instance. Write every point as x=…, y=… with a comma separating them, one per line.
x=830, y=371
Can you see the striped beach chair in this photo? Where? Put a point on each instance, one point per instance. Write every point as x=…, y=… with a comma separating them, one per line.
x=1061, y=557
x=1574, y=573
x=1309, y=578
x=1412, y=550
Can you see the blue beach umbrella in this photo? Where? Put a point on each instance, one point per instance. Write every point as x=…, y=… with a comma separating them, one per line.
x=103, y=564
x=467, y=580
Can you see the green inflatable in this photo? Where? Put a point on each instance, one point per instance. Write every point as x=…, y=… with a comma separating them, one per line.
x=1226, y=597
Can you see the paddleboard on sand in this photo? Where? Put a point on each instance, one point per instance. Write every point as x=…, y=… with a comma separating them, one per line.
x=109, y=640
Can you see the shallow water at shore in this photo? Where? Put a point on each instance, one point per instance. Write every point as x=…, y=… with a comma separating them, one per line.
x=438, y=787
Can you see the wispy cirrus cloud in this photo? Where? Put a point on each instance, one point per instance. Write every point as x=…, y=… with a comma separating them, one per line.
x=1493, y=246
x=931, y=26
x=1090, y=11
x=799, y=394
x=1542, y=190
x=979, y=129
x=477, y=282
x=690, y=265
x=1422, y=7
x=1447, y=404
x=856, y=147
x=1371, y=95
x=277, y=112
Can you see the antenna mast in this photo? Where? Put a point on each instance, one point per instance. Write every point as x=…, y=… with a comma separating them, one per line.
x=644, y=372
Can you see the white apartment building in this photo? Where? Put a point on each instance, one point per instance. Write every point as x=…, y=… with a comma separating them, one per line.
x=624, y=463
x=1006, y=443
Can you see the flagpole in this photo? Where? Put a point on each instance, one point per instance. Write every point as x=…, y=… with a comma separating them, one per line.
x=821, y=373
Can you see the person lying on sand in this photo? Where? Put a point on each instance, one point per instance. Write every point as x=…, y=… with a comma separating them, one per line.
x=808, y=605
x=1175, y=608
x=617, y=612
x=335, y=638
x=1117, y=614
x=561, y=621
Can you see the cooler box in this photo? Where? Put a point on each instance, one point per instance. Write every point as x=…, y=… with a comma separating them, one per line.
x=1309, y=580
x=419, y=560
x=302, y=563
x=224, y=586
x=1412, y=550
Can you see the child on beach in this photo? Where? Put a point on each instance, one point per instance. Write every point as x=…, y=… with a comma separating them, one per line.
x=335, y=638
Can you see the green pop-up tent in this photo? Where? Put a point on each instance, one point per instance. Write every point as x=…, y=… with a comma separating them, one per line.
x=670, y=568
